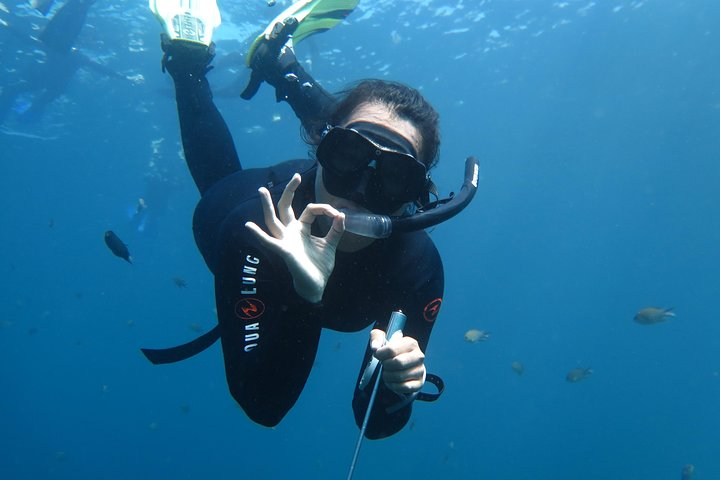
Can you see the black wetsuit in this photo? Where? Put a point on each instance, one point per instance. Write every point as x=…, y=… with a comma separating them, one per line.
x=269, y=333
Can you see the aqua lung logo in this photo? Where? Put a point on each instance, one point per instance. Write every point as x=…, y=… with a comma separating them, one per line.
x=431, y=310
x=249, y=309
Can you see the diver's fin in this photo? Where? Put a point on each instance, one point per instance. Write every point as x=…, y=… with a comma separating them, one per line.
x=323, y=17
x=273, y=46
x=191, y=20
x=313, y=16
x=184, y=351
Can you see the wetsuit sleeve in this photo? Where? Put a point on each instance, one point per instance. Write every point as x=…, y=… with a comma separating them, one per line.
x=208, y=146
x=419, y=295
x=269, y=334
x=311, y=103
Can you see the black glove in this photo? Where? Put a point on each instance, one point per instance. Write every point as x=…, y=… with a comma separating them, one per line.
x=184, y=59
x=272, y=59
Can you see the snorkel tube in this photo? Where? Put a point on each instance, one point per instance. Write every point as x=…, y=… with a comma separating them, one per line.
x=382, y=226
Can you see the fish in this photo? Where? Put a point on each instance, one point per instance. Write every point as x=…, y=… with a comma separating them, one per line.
x=474, y=335
x=577, y=374
x=117, y=246
x=517, y=367
x=653, y=315
x=179, y=282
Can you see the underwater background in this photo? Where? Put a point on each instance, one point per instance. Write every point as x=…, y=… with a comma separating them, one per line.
x=596, y=124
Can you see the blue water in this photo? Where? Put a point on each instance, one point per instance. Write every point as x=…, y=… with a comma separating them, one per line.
x=596, y=124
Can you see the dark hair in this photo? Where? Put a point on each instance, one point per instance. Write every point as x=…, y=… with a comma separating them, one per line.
x=406, y=102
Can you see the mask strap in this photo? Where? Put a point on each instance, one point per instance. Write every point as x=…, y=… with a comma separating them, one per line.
x=430, y=189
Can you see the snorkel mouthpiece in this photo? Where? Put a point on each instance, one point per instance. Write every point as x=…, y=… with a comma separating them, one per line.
x=368, y=224
x=382, y=226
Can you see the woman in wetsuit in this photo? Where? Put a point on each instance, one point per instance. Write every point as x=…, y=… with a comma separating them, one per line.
x=275, y=241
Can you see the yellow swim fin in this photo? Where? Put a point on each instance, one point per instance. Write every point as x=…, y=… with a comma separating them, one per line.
x=190, y=20
x=313, y=16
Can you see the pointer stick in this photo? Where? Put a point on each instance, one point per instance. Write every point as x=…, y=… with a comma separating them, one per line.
x=397, y=322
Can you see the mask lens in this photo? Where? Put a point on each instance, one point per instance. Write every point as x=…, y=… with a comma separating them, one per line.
x=344, y=152
x=402, y=178
x=352, y=162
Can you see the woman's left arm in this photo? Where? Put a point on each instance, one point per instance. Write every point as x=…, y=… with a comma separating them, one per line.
x=420, y=290
x=403, y=362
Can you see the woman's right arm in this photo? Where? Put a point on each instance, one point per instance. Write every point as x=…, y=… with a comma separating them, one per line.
x=275, y=63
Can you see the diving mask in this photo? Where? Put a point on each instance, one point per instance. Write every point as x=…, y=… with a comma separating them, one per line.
x=372, y=166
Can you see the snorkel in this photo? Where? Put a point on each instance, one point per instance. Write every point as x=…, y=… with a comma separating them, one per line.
x=382, y=226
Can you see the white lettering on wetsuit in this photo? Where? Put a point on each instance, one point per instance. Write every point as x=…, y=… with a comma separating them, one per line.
x=249, y=282
x=251, y=337
x=249, y=275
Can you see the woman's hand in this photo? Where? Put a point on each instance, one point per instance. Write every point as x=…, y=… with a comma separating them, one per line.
x=310, y=259
x=402, y=360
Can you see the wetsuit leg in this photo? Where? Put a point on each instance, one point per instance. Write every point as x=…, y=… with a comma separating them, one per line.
x=65, y=26
x=51, y=81
x=209, y=148
x=269, y=334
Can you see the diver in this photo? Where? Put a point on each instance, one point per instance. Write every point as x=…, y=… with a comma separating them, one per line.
x=275, y=238
x=44, y=81
x=145, y=215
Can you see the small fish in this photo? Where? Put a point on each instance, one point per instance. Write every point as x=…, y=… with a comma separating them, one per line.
x=688, y=472
x=117, y=246
x=577, y=374
x=474, y=335
x=517, y=367
x=179, y=282
x=653, y=315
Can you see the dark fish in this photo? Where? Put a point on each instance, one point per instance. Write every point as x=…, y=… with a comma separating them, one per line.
x=117, y=246
x=687, y=472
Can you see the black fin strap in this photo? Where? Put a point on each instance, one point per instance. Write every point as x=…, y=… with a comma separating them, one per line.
x=267, y=62
x=431, y=397
x=184, y=351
